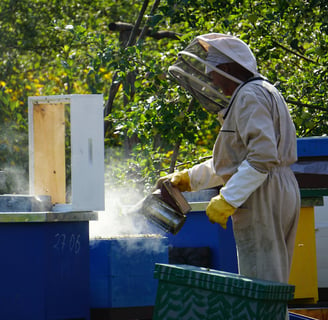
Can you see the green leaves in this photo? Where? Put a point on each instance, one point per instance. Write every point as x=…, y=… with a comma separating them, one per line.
x=70, y=49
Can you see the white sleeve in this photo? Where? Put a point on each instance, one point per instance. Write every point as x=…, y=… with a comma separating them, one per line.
x=203, y=176
x=242, y=184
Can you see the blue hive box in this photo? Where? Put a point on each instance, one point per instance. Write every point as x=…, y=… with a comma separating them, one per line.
x=121, y=270
x=312, y=147
x=44, y=270
x=187, y=292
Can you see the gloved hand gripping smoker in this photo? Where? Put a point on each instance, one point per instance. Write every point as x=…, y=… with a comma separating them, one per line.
x=218, y=210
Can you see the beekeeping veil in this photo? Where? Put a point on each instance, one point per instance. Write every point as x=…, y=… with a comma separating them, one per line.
x=202, y=56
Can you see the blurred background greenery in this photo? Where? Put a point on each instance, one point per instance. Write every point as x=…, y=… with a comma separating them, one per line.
x=123, y=49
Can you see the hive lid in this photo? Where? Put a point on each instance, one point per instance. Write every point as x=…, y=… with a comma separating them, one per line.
x=229, y=283
x=312, y=147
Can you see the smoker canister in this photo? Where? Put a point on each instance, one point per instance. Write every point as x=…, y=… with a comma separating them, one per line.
x=165, y=207
x=162, y=214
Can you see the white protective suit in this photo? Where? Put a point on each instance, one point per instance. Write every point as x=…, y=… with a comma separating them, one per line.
x=252, y=157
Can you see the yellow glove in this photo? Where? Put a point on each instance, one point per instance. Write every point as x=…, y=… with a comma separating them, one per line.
x=179, y=179
x=219, y=210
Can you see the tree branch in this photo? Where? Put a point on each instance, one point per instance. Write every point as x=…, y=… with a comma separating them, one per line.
x=304, y=105
x=146, y=27
x=293, y=52
x=122, y=27
x=116, y=84
x=135, y=29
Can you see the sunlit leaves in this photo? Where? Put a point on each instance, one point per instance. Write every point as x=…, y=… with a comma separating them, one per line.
x=69, y=49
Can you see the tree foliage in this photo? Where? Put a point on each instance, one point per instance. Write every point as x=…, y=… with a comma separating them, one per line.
x=152, y=125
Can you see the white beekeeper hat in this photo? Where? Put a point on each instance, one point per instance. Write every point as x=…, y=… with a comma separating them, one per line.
x=222, y=48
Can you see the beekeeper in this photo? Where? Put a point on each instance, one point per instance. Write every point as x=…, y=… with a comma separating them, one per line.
x=251, y=157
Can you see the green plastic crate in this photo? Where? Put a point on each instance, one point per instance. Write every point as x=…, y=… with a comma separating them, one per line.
x=192, y=293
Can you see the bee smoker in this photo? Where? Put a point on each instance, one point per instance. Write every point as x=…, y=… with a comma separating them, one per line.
x=165, y=207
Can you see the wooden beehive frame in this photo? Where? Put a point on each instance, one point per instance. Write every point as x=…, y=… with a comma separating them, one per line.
x=47, y=165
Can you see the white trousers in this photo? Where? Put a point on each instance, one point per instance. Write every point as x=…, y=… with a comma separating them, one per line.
x=265, y=227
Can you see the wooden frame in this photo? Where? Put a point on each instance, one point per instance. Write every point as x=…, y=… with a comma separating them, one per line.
x=47, y=167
